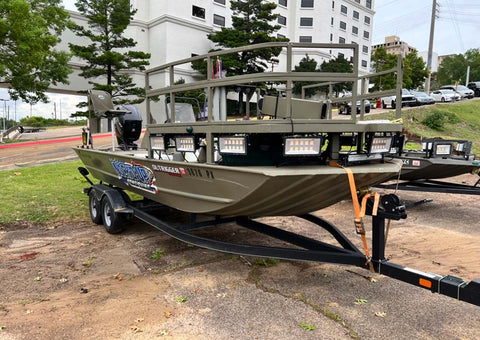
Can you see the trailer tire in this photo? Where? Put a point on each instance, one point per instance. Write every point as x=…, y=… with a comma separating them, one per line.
x=95, y=207
x=112, y=221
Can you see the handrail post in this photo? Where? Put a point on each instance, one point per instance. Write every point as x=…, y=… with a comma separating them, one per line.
x=329, y=101
x=209, y=136
x=355, y=84
x=288, y=111
x=398, y=108
x=172, y=95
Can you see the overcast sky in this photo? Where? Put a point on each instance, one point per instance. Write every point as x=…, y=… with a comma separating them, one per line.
x=457, y=29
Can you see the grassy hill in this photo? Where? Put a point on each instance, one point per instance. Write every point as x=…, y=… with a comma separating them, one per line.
x=447, y=121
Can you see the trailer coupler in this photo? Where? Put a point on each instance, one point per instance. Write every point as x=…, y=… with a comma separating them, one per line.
x=446, y=285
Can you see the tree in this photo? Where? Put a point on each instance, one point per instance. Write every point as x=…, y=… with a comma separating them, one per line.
x=251, y=24
x=109, y=55
x=454, y=68
x=414, y=71
x=382, y=61
x=339, y=64
x=307, y=64
x=29, y=62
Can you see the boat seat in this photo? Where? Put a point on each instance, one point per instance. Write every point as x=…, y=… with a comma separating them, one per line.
x=183, y=113
x=301, y=108
x=103, y=105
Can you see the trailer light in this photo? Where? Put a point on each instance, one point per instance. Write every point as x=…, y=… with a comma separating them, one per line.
x=425, y=283
x=381, y=145
x=185, y=144
x=310, y=146
x=442, y=149
x=157, y=143
x=233, y=145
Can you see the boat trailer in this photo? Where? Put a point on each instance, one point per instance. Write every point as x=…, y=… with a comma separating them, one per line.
x=112, y=207
x=430, y=185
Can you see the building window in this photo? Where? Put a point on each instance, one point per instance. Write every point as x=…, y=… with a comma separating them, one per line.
x=282, y=20
x=365, y=49
x=331, y=38
x=343, y=25
x=368, y=3
x=357, y=1
x=341, y=56
x=305, y=39
x=356, y=15
x=221, y=2
x=354, y=30
x=366, y=34
x=281, y=2
x=333, y=4
x=364, y=63
x=367, y=20
x=306, y=21
x=218, y=20
x=341, y=40
x=198, y=12
x=343, y=9
x=331, y=21
x=307, y=4
x=281, y=36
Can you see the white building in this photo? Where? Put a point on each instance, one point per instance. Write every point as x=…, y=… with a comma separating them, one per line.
x=172, y=30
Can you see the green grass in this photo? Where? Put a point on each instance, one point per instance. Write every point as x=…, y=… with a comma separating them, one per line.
x=43, y=193
x=462, y=121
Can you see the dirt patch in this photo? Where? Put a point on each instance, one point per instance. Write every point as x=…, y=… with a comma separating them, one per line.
x=75, y=281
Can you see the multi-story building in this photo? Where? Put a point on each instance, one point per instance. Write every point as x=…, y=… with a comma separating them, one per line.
x=172, y=30
x=394, y=45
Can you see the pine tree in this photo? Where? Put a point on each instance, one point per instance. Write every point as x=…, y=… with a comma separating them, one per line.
x=109, y=56
x=251, y=24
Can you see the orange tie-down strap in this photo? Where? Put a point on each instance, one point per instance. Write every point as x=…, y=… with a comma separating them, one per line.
x=360, y=209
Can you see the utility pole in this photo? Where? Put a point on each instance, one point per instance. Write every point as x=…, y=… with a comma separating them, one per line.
x=430, y=46
x=468, y=76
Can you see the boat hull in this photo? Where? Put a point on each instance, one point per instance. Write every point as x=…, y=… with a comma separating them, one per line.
x=232, y=191
x=416, y=168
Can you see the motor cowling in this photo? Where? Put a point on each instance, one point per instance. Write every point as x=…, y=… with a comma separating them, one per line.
x=128, y=127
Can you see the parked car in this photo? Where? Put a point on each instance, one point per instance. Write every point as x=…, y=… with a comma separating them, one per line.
x=347, y=107
x=421, y=98
x=407, y=100
x=462, y=90
x=443, y=95
x=475, y=87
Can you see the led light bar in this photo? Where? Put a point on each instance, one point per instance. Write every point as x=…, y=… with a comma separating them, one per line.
x=157, y=143
x=185, y=144
x=308, y=146
x=353, y=158
x=381, y=144
x=443, y=149
x=232, y=145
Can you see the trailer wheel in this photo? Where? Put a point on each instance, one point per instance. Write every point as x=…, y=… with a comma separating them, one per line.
x=112, y=221
x=95, y=208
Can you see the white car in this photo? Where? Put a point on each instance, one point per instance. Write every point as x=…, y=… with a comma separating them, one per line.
x=463, y=91
x=443, y=95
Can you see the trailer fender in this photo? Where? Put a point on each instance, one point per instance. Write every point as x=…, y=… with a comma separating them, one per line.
x=116, y=198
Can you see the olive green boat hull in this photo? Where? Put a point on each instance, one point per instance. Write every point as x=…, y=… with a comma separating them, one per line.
x=232, y=191
x=417, y=168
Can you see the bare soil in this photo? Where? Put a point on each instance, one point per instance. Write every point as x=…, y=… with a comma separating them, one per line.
x=72, y=280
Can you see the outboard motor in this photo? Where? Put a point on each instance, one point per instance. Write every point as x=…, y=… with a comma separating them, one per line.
x=128, y=127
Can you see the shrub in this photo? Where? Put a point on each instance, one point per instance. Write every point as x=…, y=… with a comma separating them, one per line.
x=435, y=121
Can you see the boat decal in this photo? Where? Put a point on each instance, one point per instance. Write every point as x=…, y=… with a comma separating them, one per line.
x=135, y=174
x=170, y=170
x=416, y=163
x=406, y=161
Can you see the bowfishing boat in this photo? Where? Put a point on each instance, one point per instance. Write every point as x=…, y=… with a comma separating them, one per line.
x=253, y=167
x=437, y=159
x=294, y=157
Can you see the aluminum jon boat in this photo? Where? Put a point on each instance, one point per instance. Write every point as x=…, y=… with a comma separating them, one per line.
x=277, y=163
x=294, y=157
